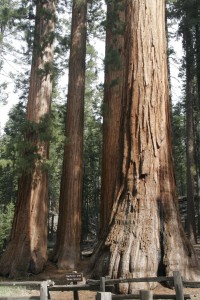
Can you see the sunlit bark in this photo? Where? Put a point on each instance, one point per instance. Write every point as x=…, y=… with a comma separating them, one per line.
x=27, y=249
x=112, y=106
x=144, y=235
x=67, y=250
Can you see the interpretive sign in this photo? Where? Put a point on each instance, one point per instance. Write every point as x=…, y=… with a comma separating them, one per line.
x=74, y=277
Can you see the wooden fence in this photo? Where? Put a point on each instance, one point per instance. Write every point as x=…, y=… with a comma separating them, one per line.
x=175, y=280
x=104, y=285
x=43, y=286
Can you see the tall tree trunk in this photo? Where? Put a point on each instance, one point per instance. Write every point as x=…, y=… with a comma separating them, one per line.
x=197, y=128
x=67, y=251
x=112, y=106
x=190, y=154
x=145, y=236
x=27, y=249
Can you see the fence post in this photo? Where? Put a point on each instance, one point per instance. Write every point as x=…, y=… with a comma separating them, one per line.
x=102, y=284
x=146, y=295
x=43, y=290
x=178, y=284
x=104, y=296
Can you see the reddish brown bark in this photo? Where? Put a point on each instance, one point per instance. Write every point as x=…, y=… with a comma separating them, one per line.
x=67, y=251
x=112, y=107
x=27, y=249
x=145, y=236
x=190, y=153
x=196, y=129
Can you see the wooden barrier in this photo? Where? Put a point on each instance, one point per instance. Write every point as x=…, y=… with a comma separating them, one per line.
x=44, y=291
x=146, y=295
x=159, y=296
x=20, y=298
x=42, y=284
x=104, y=296
x=176, y=280
x=104, y=284
x=178, y=284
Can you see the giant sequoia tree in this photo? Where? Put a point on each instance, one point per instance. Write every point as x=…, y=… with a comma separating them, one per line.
x=67, y=250
x=27, y=249
x=144, y=236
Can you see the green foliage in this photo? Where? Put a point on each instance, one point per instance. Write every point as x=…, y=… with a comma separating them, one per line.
x=6, y=218
x=96, y=19
x=113, y=21
x=32, y=134
x=179, y=147
x=3, y=93
x=8, y=10
x=9, y=155
x=8, y=13
x=186, y=14
x=47, y=69
x=8, y=181
x=22, y=137
x=18, y=154
x=113, y=59
x=17, y=146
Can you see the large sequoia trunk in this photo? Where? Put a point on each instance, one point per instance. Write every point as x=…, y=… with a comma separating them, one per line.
x=144, y=235
x=27, y=249
x=67, y=250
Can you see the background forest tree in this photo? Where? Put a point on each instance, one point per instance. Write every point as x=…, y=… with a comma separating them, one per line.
x=187, y=168
x=27, y=248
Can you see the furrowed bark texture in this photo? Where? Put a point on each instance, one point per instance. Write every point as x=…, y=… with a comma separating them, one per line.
x=67, y=251
x=27, y=249
x=145, y=236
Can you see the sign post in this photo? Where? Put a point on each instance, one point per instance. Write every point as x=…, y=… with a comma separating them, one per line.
x=73, y=278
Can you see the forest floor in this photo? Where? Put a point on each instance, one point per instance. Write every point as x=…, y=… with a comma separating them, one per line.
x=59, y=277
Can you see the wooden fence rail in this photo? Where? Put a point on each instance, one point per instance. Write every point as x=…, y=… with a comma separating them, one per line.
x=176, y=280
x=43, y=285
x=155, y=296
x=104, y=284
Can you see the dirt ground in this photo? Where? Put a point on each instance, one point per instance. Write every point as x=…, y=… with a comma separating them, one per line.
x=58, y=276
x=90, y=295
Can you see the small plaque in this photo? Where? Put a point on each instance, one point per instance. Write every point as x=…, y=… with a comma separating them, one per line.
x=74, y=277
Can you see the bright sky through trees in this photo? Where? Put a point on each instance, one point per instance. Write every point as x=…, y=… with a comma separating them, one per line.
x=13, y=98
x=175, y=64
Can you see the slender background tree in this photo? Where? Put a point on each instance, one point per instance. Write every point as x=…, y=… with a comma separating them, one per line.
x=67, y=250
x=27, y=249
x=114, y=60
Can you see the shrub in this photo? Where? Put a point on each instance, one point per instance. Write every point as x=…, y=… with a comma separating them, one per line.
x=6, y=217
